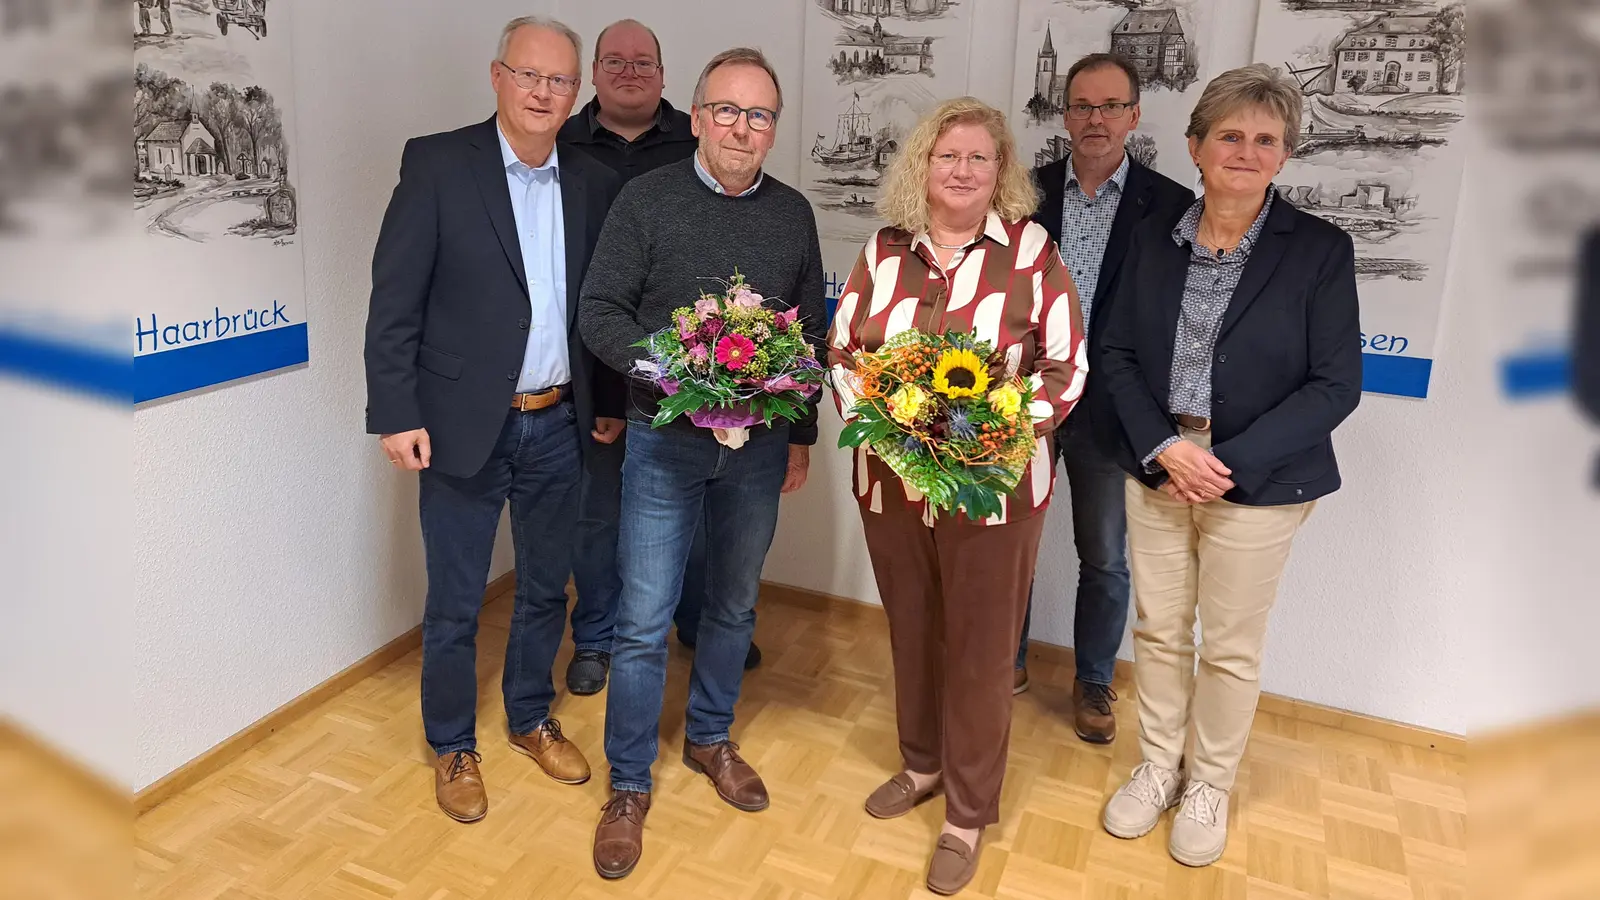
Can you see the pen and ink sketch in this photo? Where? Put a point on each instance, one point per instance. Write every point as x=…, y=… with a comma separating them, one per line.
x=1165, y=41
x=873, y=69
x=211, y=149
x=1541, y=74
x=1380, y=151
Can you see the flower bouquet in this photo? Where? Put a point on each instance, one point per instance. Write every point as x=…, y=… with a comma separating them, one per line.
x=929, y=407
x=728, y=362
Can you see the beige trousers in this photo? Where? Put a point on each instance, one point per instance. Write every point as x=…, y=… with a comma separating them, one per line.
x=1221, y=562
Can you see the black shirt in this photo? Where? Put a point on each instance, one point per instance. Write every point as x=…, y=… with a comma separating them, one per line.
x=670, y=139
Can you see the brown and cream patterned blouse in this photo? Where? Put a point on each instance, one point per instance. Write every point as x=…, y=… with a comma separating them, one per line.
x=1009, y=286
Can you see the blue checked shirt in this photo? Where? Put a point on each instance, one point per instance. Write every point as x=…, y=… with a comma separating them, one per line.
x=1086, y=229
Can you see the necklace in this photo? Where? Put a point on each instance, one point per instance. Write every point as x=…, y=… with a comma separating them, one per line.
x=955, y=246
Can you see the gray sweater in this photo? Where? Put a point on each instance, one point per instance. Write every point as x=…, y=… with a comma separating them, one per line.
x=668, y=237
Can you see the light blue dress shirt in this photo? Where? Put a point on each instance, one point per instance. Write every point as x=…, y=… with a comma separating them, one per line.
x=711, y=181
x=541, y=231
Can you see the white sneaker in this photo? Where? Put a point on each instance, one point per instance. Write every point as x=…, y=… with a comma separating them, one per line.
x=1200, y=831
x=1137, y=806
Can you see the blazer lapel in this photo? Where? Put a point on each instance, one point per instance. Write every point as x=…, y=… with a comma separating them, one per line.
x=574, y=214
x=1131, y=210
x=1263, y=261
x=1173, y=260
x=489, y=170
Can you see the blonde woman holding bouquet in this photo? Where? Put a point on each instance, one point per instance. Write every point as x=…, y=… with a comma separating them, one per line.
x=962, y=256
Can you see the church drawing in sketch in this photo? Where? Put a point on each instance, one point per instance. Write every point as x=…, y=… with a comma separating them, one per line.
x=882, y=9
x=865, y=52
x=1152, y=39
x=210, y=149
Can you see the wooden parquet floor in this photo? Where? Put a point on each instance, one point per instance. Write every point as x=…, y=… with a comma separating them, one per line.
x=339, y=805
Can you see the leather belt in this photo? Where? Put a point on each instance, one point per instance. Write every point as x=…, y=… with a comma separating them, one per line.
x=1193, y=423
x=539, y=400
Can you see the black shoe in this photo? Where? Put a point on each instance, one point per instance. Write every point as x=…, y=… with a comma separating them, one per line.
x=753, y=658
x=586, y=674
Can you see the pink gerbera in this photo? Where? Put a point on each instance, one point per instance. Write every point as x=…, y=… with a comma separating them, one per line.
x=734, y=351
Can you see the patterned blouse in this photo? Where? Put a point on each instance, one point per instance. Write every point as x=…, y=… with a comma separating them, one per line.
x=1009, y=285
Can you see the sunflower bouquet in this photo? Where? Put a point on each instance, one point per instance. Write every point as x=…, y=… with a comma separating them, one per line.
x=729, y=362
x=929, y=406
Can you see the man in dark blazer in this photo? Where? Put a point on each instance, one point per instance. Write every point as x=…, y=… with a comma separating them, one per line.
x=1092, y=199
x=478, y=380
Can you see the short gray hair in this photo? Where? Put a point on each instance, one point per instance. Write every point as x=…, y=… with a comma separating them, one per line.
x=748, y=56
x=1254, y=86
x=544, y=22
x=647, y=30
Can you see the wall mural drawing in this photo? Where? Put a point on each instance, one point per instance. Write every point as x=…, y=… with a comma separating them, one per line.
x=1380, y=153
x=214, y=191
x=873, y=69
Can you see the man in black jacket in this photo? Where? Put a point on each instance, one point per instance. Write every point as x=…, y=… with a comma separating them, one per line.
x=1092, y=200
x=478, y=380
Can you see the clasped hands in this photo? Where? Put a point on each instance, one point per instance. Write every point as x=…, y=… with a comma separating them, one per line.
x=1193, y=474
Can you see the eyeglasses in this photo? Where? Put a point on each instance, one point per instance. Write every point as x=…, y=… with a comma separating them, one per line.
x=614, y=65
x=945, y=162
x=528, y=79
x=1112, y=110
x=759, y=118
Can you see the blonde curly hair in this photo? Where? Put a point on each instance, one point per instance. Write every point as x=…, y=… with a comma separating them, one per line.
x=904, y=202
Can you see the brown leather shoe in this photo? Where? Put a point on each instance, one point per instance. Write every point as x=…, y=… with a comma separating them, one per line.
x=557, y=756
x=1019, y=681
x=458, y=786
x=953, y=864
x=899, y=795
x=619, y=838
x=1092, y=717
x=737, y=784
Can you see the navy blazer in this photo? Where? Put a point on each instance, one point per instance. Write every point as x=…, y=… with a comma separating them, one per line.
x=1586, y=337
x=447, y=323
x=1286, y=369
x=1145, y=194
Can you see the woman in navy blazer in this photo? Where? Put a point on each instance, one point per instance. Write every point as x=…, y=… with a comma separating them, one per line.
x=1232, y=353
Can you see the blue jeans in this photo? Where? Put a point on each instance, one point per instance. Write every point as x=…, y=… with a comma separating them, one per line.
x=1100, y=533
x=670, y=478
x=535, y=465
x=595, y=572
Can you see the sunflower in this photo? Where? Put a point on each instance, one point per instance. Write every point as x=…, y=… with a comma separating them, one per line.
x=960, y=373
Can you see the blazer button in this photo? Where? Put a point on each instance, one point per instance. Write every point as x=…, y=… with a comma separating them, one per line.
x=1220, y=400
x=523, y=324
x=511, y=376
x=1222, y=357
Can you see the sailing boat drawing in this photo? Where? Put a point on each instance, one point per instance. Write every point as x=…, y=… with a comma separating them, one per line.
x=854, y=143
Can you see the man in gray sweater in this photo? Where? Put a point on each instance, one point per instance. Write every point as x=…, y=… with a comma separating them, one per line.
x=670, y=234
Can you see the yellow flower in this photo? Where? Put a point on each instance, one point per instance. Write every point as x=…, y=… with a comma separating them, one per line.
x=906, y=403
x=1006, y=401
x=960, y=373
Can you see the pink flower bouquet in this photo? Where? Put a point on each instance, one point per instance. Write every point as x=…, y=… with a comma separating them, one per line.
x=729, y=362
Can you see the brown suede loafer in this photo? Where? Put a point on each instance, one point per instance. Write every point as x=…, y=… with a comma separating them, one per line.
x=557, y=756
x=953, y=864
x=458, y=786
x=619, y=838
x=737, y=784
x=899, y=795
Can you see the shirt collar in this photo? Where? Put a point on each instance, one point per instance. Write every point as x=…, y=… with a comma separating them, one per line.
x=1118, y=178
x=710, y=182
x=663, y=121
x=508, y=157
x=994, y=228
x=1188, y=227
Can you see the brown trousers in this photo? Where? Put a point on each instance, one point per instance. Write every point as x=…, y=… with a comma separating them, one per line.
x=956, y=595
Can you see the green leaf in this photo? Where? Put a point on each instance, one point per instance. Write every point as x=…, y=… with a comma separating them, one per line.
x=855, y=433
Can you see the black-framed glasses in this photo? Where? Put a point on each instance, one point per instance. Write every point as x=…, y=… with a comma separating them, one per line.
x=759, y=118
x=615, y=65
x=528, y=79
x=1116, y=109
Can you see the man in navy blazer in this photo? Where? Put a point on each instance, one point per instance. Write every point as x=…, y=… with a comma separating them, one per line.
x=478, y=380
x=1092, y=200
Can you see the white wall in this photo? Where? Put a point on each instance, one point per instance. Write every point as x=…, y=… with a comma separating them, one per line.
x=274, y=547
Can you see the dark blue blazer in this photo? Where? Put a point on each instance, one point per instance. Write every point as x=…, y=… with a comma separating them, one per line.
x=1286, y=369
x=1146, y=194
x=447, y=323
x=1586, y=337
